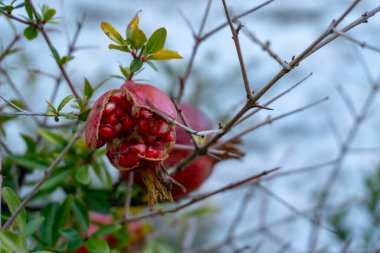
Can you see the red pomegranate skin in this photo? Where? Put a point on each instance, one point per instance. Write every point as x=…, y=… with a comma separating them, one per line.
x=196, y=173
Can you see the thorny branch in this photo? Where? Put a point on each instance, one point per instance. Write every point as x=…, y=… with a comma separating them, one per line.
x=199, y=198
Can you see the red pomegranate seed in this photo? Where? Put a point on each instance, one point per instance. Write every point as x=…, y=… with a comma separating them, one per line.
x=106, y=132
x=111, y=119
x=138, y=149
x=125, y=145
x=109, y=109
x=169, y=136
x=152, y=153
x=129, y=160
x=149, y=139
x=128, y=124
x=145, y=114
x=143, y=126
x=163, y=128
x=117, y=97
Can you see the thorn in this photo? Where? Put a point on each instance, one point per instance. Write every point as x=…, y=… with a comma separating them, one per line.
x=262, y=107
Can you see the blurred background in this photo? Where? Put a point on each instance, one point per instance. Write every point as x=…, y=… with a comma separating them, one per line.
x=278, y=213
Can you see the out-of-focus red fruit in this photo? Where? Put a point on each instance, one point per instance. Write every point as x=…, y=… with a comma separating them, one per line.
x=137, y=137
x=194, y=174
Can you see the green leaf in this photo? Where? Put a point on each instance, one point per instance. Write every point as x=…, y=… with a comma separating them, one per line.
x=29, y=161
x=82, y=175
x=33, y=225
x=81, y=214
x=133, y=24
x=51, y=107
x=64, y=213
x=137, y=38
x=106, y=230
x=48, y=234
x=55, y=180
x=151, y=64
x=73, y=236
x=43, y=251
x=31, y=144
x=28, y=10
x=164, y=54
x=13, y=241
x=13, y=203
x=95, y=245
x=88, y=90
x=69, y=116
x=121, y=48
x=65, y=60
x=84, y=115
x=75, y=126
x=112, y=33
x=202, y=211
x=156, y=41
x=30, y=33
x=52, y=137
x=125, y=71
x=55, y=54
x=136, y=65
x=17, y=103
x=48, y=15
x=65, y=101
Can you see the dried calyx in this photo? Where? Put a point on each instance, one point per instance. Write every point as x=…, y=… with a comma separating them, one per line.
x=137, y=138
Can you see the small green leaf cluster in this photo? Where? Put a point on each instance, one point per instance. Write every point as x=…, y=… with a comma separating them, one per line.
x=142, y=49
x=10, y=7
x=46, y=15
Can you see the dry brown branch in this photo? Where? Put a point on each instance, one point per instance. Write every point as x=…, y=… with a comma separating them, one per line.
x=235, y=37
x=199, y=198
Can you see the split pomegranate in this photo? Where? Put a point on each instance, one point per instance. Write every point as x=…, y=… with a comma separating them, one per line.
x=194, y=174
x=137, y=137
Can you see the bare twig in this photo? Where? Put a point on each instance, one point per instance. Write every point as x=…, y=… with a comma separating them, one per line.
x=183, y=79
x=26, y=22
x=363, y=44
x=362, y=19
x=240, y=213
x=216, y=152
x=225, y=24
x=41, y=28
x=344, y=148
x=270, y=120
x=265, y=46
x=9, y=47
x=186, y=128
x=248, y=115
x=347, y=100
x=200, y=198
x=235, y=37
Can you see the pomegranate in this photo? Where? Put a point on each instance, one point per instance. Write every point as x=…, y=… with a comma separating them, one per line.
x=137, y=137
x=194, y=174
